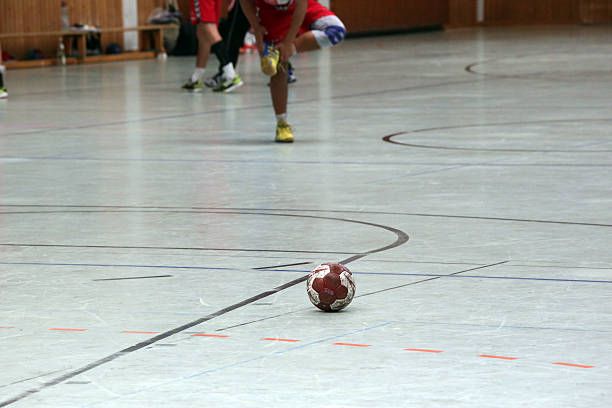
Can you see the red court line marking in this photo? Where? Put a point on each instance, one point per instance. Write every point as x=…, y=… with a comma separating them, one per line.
x=425, y=350
x=353, y=345
x=78, y=330
x=273, y=339
x=7, y=327
x=141, y=332
x=209, y=335
x=500, y=357
x=574, y=365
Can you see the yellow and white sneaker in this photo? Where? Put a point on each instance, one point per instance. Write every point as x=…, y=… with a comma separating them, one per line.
x=269, y=60
x=284, y=133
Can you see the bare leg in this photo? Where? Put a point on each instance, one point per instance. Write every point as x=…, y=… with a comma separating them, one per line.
x=306, y=42
x=208, y=34
x=279, y=89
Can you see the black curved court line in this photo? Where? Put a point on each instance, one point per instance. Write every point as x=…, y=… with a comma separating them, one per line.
x=401, y=238
x=389, y=138
x=470, y=69
x=139, y=209
x=531, y=76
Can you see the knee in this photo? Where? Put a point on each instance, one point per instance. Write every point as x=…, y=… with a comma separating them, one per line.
x=328, y=31
x=335, y=34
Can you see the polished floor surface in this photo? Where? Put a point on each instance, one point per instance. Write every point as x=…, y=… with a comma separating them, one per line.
x=153, y=243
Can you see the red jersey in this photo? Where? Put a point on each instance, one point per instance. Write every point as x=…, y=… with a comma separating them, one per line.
x=277, y=18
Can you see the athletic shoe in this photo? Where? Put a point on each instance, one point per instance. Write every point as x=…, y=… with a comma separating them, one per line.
x=3, y=93
x=269, y=60
x=214, y=80
x=284, y=133
x=193, y=86
x=228, y=86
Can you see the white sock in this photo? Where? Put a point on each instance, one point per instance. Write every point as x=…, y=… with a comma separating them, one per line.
x=197, y=74
x=228, y=72
x=282, y=117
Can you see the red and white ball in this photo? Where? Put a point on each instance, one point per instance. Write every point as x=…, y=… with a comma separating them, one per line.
x=330, y=287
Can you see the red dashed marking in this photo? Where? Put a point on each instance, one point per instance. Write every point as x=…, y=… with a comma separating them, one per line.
x=574, y=365
x=500, y=357
x=352, y=345
x=209, y=335
x=59, y=329
x=140, y=332
x=294, y=341
x=274, y=339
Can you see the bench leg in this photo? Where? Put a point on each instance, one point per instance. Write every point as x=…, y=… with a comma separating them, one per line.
x=159, y=41
x=82, y=46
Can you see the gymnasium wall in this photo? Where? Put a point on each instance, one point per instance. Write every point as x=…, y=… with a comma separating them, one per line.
x=596, y=11
x=532, y=12
x=17, y=16
x=360, y=16
x=366, y=15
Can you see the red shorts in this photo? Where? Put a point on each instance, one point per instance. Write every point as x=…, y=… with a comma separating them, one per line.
x=205, y=11
x=277, y=22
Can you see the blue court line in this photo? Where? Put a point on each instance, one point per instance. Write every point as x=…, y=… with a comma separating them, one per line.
x=497, y=326
x=313, y=162
x=238, y=363
x=307, y=271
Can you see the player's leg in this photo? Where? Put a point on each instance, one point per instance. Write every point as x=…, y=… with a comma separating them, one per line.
x=279, y=89
x=206, y=14
x=325, y=30
x=232, y=29
x=3, y=91
x=229, y=79
x=202, y=12
x=239, y=26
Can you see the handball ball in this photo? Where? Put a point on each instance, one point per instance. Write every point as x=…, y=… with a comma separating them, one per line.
x=330, y=287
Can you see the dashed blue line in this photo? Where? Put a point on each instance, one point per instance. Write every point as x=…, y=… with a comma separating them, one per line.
x=498, y=326
x=239, y=363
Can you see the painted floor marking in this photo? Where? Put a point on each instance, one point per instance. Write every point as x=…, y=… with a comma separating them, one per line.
x=296, y=340
x=574, y=365
x=276, y=339
x=209, y=335
x=238, y=363
x=499, y=357
x=352, y=345
x=61, y=329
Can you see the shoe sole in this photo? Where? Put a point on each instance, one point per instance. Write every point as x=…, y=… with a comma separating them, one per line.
x=195, y=90
x=230, y=88
x=283, y=141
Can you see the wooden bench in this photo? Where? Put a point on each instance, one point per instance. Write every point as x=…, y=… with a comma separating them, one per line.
x=156, y=33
